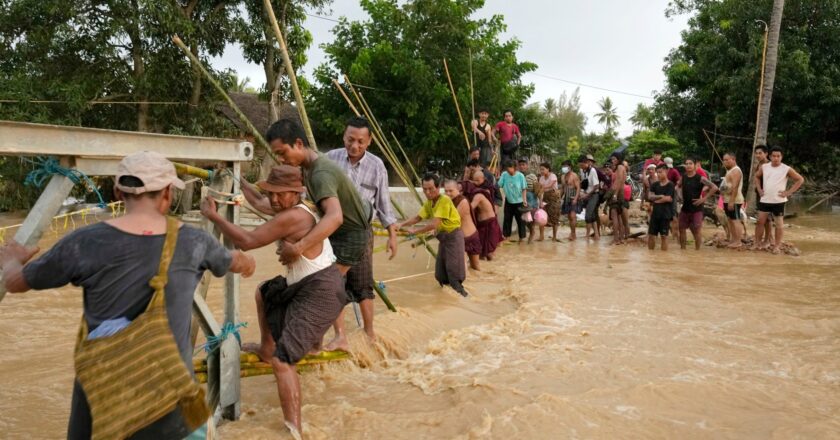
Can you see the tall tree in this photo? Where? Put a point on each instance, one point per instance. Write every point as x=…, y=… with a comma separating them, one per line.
x=608, y=116
x=712, y=78
x=642, y=117
x=766, y=93
x=397, y=54
x=260, y=46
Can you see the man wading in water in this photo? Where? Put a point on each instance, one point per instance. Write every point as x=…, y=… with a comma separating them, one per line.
x=114, y=261
x=481, y=201
x=345, y=216
x=472, y=242
x=294, y=311
x=446, y=222
x=368, y=174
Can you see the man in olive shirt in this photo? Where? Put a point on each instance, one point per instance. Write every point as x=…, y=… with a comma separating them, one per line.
x=345, y=217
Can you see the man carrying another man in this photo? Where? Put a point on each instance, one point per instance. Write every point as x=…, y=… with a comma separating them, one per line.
x=345, y=216
x=293, y=311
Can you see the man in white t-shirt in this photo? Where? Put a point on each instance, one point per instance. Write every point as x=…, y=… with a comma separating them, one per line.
x=771, y=181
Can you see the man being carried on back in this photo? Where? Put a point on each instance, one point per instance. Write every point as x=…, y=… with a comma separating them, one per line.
x=345, y=215
x=294, y=311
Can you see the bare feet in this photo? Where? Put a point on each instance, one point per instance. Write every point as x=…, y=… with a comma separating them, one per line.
x=572, y=237
x=265, y=350
x=776, y=250
x=338, y=343
x=736, y=245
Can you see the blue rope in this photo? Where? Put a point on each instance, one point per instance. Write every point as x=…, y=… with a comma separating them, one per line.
x=46, y=167
x=213, y=342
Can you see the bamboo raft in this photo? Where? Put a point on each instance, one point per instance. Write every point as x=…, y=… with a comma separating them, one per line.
x=251, y=365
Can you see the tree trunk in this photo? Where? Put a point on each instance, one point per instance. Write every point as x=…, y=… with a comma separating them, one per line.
x=138, y=69
x=766, y=93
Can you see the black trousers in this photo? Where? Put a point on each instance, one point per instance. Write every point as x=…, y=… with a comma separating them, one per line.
x=511, y=213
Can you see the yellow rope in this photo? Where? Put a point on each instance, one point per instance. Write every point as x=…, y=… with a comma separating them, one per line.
x=117, y=208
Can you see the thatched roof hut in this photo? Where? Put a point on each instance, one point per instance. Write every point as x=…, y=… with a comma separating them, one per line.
x=256, y=110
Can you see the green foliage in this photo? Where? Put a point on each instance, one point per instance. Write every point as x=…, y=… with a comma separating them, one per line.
x=400, y=52
x=608, y=116
x=642, y=144
x=713, y=80
x=549, y=129
x=643, y=117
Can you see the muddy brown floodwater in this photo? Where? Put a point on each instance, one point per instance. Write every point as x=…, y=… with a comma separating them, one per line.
x=569, y=340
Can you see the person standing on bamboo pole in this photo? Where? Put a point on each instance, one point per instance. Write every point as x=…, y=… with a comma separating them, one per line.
x=115, y=263
x=484, y=137
x=294, y=311
x=368, y=174
x=509, y=136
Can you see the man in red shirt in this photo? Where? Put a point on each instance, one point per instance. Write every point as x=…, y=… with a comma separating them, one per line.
x=509, y=136
x=655, y=160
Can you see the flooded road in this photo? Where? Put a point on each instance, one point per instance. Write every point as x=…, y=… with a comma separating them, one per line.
x=569, y=340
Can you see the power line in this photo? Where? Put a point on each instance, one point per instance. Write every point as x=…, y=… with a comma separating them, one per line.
x=591, y=86
x=323, y=18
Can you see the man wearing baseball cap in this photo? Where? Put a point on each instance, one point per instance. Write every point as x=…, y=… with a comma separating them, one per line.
x=294, y=310
x=114, y=262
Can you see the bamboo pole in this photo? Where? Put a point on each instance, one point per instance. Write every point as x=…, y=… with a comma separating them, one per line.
x=290, y=72
x=457, y=107
x=256, y=133
x=472, y=95
x=828, y=197
x=407, y=160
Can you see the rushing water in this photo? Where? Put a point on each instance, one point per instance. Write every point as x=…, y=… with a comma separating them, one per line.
x=557, y=341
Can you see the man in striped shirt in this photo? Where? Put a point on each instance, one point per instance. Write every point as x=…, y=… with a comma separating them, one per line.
x=368, y=174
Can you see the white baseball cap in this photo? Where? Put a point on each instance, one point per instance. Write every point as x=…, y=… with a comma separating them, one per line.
x=153, y=169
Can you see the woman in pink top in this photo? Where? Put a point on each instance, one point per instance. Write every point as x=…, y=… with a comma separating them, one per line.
x=551, y=197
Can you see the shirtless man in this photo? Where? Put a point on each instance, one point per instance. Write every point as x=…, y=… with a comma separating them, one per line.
x=615, y=198
x=571, y=196
x=733, y=198
x=472, y=243
x=485, y=215
x=293, y=311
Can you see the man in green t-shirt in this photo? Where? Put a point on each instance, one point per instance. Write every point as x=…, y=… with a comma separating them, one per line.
x=345, y=217
x=450, y=265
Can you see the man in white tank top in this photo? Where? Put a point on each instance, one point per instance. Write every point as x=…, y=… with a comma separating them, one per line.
x=294, y=310
x=771, y=182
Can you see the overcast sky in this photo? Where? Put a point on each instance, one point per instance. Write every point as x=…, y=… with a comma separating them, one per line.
x=612, y=44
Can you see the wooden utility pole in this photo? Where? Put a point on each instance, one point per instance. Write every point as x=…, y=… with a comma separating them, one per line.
x=765, y=93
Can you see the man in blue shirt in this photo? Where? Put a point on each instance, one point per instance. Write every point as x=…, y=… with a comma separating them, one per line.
x=512, y=184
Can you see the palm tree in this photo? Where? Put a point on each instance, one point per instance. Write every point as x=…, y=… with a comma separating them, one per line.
x=766, y=92
x=608, y=115
x=642, y=117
